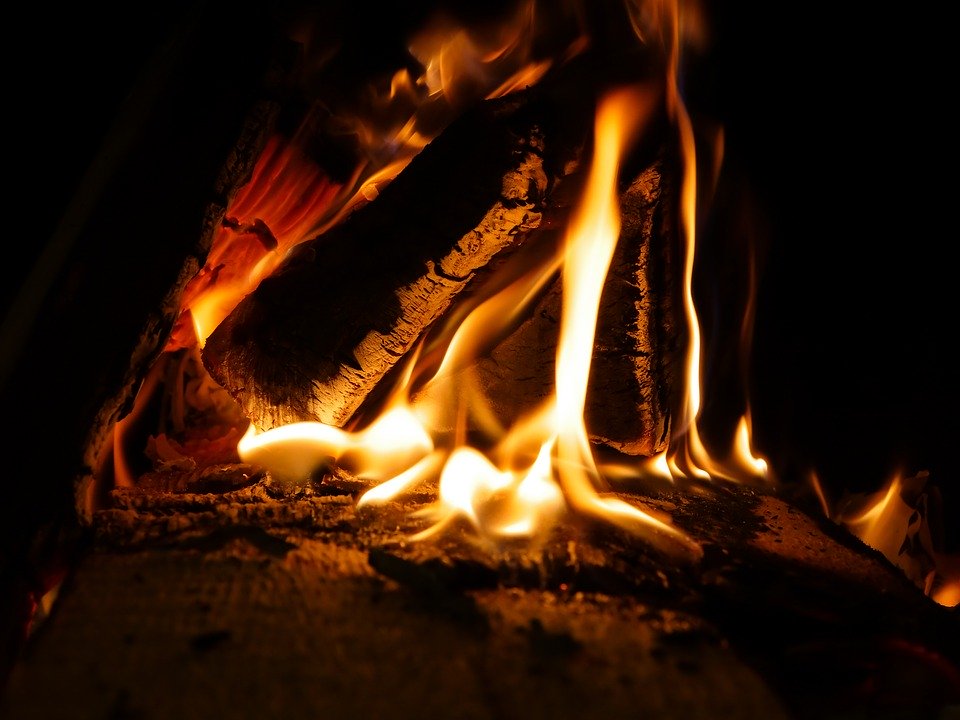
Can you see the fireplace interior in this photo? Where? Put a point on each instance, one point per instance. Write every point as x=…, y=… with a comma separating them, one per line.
x=240, y=591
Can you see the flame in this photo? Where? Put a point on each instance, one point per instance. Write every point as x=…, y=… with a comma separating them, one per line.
x=518, y=481
x=526, y=477
x=687, y=456
x=518, y=489
x=899, y=521
x=463, y=63
x=591, y=241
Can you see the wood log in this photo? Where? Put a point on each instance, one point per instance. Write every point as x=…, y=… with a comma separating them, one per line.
x=317, y=336
x=277, y=601
x=352, y=302
x=638, y=341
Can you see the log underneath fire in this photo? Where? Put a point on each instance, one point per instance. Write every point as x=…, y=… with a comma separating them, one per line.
x=275, y=602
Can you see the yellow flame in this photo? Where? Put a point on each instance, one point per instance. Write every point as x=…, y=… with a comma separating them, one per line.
x=393, y=443
x=895, y=521
x=592, y=238
x=687, y=456
x=463, y=64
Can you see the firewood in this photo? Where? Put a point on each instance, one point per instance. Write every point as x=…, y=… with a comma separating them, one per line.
x=318, y=335
x=636, y=350
x=314, y=341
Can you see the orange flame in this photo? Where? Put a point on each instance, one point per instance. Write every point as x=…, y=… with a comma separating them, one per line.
x=289, y=199
x=899, y=521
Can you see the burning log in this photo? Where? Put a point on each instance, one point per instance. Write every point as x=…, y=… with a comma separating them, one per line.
x=318, y=337
x=637, y=344
x=315, y=338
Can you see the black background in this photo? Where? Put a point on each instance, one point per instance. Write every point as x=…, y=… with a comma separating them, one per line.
x=840, y=131
x=840, y=170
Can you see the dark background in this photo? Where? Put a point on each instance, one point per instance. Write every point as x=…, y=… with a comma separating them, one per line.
x=840, y=169
x=840, y=135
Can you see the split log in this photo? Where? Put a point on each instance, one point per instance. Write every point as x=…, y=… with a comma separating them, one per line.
x=268, y=601
x=314, y=339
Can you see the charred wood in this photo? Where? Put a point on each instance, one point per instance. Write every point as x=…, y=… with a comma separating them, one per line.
x=270, y=592
x=316, y=340
x=317, y=336
x=638, y=342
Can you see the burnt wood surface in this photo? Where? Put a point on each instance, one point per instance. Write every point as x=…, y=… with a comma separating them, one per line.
x=318, y=335
x=314, y=340
x=272, y=600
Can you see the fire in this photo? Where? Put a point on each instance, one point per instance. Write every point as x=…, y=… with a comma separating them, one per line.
x=437, y=429
x=520, y=481
x=900, y=521
x=545, y=463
